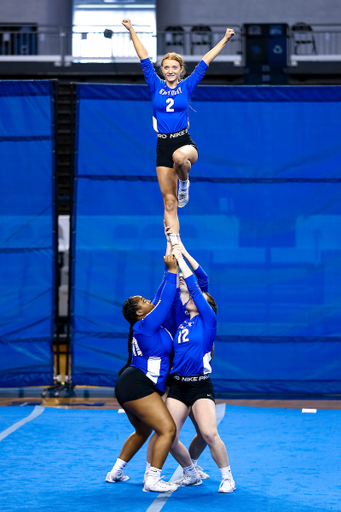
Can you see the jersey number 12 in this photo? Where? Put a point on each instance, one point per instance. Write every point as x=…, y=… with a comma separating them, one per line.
x=182, y=338
x=170, y=102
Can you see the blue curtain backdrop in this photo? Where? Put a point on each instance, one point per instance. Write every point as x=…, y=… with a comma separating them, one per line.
x=264, y=220
x=26, y=233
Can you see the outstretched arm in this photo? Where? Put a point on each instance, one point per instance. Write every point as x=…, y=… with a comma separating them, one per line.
x=211, y=55
x=140, y=49
x=152, y=321
x=199, y=272
x=168, y=252
x=186, y=271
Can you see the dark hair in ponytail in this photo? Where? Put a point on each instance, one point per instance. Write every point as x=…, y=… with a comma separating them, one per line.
x=211, y=302
x=129, y=312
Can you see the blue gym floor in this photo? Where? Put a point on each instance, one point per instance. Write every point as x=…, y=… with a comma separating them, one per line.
x=282, y=460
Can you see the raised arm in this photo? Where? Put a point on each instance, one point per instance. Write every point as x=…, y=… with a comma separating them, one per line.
x=199, y=272
x=205, y=310
x=160, y=288
x=211, y=55
x=140, y=49
x=151, y=322
x=186, y=271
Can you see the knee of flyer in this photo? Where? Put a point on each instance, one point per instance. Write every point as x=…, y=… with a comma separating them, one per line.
x=171, y=203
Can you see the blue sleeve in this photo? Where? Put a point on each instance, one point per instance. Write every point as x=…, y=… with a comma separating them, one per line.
x=149, y=74
x=202, y=278
x=173, y=317
x=160, y=288
x=178, y=308
x=205, y=310
x=192, y=80
x=151, y=323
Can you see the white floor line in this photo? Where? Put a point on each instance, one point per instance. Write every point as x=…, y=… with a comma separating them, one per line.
x=37, y=411
x=161, y=499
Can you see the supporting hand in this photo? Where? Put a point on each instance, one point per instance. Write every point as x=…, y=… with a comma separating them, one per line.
x=176, y=251
x=171, y=263
x=167, y=230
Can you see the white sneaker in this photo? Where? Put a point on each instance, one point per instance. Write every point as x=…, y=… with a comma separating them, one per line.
x=152, y=485
x=183, y=196
x=187, y=480
x=227, y=485
x=118, y=477
x=201, y=473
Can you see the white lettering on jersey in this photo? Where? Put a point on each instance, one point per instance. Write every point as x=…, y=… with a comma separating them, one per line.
x=172, y=92
x=170, y=102
x=182, y=338
x=136, y=349
x=153, y=368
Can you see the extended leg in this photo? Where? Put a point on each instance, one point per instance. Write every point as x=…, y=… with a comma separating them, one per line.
x=168, y=183
x=205, y=416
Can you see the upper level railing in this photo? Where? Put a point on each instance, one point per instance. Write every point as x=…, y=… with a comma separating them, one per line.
x=64, y=45
x=315, y=43
x=194, y=41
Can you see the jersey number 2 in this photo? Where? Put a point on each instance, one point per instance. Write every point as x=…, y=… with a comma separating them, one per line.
x=183, y=334
x=170, y=102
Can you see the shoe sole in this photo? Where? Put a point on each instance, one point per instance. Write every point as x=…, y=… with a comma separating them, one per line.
x=190, y=485
x=164, y=492
x=227, y=492
x=124, y=479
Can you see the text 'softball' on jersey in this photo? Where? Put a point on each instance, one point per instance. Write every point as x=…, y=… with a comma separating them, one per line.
x=170, y=106
x=194, y=338
x=152, y=344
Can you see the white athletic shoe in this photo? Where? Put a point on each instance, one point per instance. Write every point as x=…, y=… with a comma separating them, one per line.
x=183, y=196
x=227, y=485
x=201, y=473
x=187, y=480
x=159, y=485
x=119, y=477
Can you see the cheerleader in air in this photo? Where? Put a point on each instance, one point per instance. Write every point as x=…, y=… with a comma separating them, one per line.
x=176, y=152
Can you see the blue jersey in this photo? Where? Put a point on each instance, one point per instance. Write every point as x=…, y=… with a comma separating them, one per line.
x=194, y=338
x=170, y=321
x=152, y=344
x=170, y=106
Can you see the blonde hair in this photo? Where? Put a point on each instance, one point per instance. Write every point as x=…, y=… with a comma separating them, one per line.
x=178, y=58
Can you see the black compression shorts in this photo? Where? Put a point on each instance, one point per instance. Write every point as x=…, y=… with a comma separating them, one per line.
x=167, y=143
x=189, y=391
x=133, y=384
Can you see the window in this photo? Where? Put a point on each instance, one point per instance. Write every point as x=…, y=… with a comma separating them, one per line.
x=92, y=17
